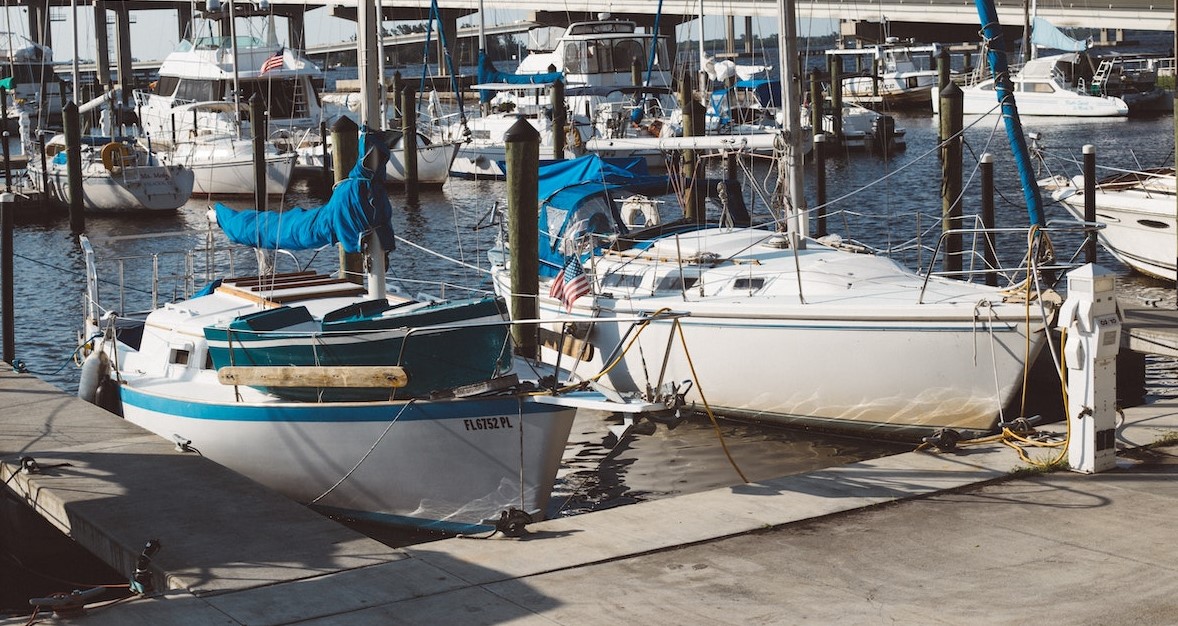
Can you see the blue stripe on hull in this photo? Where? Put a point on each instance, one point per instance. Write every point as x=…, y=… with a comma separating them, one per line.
x=331, y=412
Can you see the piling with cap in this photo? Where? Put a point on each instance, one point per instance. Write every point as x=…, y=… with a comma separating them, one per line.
x=345, y=146
x=952, y=120
x=409, y=141
x=523, y=212
x=73, y=147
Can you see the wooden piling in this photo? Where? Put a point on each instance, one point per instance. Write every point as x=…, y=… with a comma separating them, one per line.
x=820, y=184
x=258, y=137
x=836, y=96
x=523, y=209
x=409, y=141
x=7, y=209
x=1089, y=152
x=988, y=251
x=345, y=147
x=952, y=120
x=560, y=120
x=817, y=104
x=73, y=146
x=693, y=205
x=7, y=156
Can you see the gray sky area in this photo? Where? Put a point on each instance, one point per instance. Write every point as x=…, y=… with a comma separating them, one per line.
x=154, y=33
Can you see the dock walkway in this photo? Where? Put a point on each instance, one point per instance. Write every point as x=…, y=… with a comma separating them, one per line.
x=920, y=537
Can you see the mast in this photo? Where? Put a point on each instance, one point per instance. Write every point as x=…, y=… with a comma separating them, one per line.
x=236, y=78
x=77, y=74
x=790, y=175
x=996, y=55
x=366, y=51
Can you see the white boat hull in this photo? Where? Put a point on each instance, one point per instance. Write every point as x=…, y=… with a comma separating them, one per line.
x=226, y=167
x=864, y=352
x=151, y=188
x=1139, y=223
x=446, y=465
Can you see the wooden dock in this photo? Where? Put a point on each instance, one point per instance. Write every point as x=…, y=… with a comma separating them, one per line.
x=234, y=553
x=1150, y=330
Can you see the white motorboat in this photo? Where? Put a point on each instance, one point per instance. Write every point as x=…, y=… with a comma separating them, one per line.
x=1046, y=86
x=1136, y=212
x=224, y=165
x=891, y=75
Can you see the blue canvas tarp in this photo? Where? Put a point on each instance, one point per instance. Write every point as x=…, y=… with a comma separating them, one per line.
x=358, y=205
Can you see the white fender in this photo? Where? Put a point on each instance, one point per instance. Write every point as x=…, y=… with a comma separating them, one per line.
x=95, y=368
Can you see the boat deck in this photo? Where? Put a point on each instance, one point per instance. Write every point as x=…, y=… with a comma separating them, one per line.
x=235, y=553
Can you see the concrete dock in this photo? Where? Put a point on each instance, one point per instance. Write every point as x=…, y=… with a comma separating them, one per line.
x=919, y=538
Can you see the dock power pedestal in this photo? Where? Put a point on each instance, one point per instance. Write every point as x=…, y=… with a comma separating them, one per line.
x=1093, y=323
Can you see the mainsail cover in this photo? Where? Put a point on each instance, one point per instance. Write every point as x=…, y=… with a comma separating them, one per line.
x=358, y=205
x=1045, y=35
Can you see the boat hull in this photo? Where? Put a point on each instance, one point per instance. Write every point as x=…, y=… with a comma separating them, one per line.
x=1139, y=224
x=447, y=465
x=227, y=167
x=140, y=188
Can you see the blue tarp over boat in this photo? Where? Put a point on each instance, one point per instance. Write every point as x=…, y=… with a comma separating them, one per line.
x=358, y=205
x=574, y=196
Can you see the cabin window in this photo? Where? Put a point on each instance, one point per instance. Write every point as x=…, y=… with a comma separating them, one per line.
x=626, y=52
x=178, y=356
x=625, y=281
x=748, y=284
x=574, y=57
x=166, y=85
x=198, y=90
x=677, y=282
x=1037, y=88
x=284, y=100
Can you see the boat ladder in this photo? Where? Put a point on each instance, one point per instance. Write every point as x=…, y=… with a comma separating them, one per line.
x=1101, y=76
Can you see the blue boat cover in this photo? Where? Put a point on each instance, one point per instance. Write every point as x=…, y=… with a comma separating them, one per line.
x=489, y=74
x=567, y=190
x=358, y=205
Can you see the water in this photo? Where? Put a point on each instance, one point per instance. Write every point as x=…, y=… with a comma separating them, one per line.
x=655, y=459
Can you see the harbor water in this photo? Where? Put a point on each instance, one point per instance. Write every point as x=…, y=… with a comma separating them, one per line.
x=883, y=200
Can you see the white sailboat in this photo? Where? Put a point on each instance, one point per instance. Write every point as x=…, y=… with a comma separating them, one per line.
x=474, y=458
x=773, y=325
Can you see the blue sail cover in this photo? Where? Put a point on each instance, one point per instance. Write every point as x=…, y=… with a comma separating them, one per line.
x=358, y=205
x=489, y=74
x=567, y=186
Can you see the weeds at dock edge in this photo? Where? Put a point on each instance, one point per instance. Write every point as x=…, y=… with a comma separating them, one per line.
x=1024, y=471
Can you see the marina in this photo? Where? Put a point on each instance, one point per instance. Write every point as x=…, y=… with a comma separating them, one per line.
x=565, y=399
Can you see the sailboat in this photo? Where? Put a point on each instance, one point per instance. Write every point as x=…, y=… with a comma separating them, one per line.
x=249, y=373
x=773, y=325
x=117, y=174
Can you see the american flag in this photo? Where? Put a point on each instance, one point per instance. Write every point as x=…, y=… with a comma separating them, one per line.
x=273, y=63
x=571, y=283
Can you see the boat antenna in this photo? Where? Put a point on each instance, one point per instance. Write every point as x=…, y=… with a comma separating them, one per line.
x=995, y=45
x=77, y=74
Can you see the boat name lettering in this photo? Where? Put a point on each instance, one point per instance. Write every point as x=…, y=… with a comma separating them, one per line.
x=487, y=423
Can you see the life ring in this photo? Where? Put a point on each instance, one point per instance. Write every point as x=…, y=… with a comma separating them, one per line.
x=109, y=159
x=637, y=206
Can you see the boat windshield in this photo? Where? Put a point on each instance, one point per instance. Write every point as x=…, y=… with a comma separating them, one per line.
x=217, y=43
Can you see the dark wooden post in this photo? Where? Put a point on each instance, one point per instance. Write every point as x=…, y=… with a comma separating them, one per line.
x=560, y=119
x=1089, y=151
x=73, y=148
x=951, y=152
x=409, y=141
x=345, y=148
x=820, y=183
x=523, y=210
x=7, y=207
x=987, y=167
